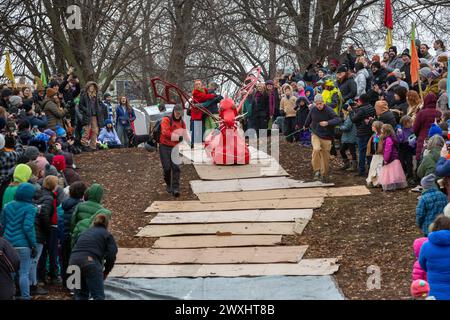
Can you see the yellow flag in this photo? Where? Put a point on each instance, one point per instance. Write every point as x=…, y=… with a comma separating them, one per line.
x=8, y=69
x=388, y=39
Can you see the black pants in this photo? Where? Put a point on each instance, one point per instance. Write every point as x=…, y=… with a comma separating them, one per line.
x=348, y=146
x=51, y=251
x=289, y=127
x=171, y=170
x=405, y=155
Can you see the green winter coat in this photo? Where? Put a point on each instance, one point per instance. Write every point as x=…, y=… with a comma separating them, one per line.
x=428, y=164
x=85, y=224
x=86, y=210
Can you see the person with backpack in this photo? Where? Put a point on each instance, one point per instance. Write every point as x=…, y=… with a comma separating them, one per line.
x=173, y=131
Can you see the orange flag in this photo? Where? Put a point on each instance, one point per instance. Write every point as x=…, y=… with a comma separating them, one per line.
x=414, y=57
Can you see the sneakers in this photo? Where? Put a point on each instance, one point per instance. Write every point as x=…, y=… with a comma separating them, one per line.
x=38, y=291
x=317, y=176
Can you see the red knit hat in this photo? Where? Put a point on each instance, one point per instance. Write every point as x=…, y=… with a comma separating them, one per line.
x=420, y=289
x=59, y=162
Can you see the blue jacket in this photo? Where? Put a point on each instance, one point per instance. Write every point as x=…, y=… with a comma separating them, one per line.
x=431, y=204
x=109, y=136
x=19, y=216
x=123, y=118
x=434, y=259
x=348, y=129
x=443, y=168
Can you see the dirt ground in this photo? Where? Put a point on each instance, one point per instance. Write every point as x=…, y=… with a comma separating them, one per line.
x=376, y=230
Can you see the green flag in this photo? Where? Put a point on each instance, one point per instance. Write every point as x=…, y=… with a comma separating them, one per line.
x=43, y=75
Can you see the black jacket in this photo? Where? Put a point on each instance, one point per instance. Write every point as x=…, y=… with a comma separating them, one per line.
x=44, y=215
x=86, y=113
x=260, y=106
x=361, y=120
x=302, y=112
x=388, y=118
x=380, y=76
x=348, y=89
x=403, y=107
x=69, y=206
x=97, y=243
x=9, y=263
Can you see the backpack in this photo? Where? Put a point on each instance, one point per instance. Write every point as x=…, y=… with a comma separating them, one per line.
x=156, y=132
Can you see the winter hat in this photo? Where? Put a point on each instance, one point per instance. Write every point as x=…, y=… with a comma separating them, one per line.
x=434, y=130
x=425, y=72
x=59, y=162
x=69, y=159
x=301, y=84
x=106, y=95
x=334, y=62
x=107, y=121
x=318, y=98
x=31, y=153
x=420, y=289
x=50, y=133
x=50, y=170
x=15, y=101
x=391, y=79
x=269, y=82
x=417, y=245
x=22, y=173
x=27, y=105
x=51, y=92
x=428, y=181
x=342, y=68
x=60, y=132
x=2, y=141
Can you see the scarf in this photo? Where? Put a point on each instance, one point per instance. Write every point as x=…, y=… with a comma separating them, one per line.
x=272, y=102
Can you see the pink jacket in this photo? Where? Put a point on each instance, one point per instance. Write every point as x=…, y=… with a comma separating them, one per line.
x=418, y=273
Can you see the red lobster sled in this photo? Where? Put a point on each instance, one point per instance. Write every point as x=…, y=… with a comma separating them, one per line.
x=226, y=145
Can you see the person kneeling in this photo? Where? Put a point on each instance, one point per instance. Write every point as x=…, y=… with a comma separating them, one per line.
x=108, y=136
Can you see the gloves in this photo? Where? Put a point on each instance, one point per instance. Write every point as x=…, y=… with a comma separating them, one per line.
x=33, y=252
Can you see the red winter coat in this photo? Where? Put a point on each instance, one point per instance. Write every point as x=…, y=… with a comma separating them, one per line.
x=424, y=119
x=177, y=129
x=200, y=96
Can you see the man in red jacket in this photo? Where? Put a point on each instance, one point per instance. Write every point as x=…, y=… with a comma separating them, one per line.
x=173, y=131
x=199, y=96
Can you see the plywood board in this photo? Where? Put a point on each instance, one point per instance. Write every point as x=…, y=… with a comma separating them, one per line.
x=216, y=241
x=264, y=168
x=306, y=267
x=232, y=216
x=288, y=228
x=190, y=206
x=283, y=194
x=252, y=184
x=283, y=254
x=198, y=155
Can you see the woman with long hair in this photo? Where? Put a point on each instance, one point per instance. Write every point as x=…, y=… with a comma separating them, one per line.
x=125, y=116
x=415, y=104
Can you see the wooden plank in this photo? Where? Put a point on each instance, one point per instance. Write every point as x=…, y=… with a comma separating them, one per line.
x=306, y=267
x=262, y=228
x=283, y=194
x=190, y=206
x=216, y=241
x=253, y=184
x=283, y=254
x=270, y=168
x=232, y=216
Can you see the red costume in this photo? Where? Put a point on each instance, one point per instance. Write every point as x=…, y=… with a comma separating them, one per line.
x=200, y=96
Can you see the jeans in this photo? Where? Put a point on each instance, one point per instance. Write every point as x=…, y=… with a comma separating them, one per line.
x=91, y=279
x=362, y=149
x=24, y=271
x=50, y=250
x=34, y=264
x=171, y=170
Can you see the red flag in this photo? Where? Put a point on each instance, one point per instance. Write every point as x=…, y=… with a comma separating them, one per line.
x=388, y=22
x=415, y=65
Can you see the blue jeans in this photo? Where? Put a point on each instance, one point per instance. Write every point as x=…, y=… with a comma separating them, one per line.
x=24, y=271
x=362, y=148
x=34, y=264
x=91, y=280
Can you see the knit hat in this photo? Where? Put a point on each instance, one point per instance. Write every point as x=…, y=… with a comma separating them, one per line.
x=301, y=84
x=428, y=181
x=107, y=121
x=59, y=162
x=2, y=141
x=51, y=92
x=15, y=101
x=50, y=133
x=31, y=153
x=334, y=62
x=420, y=289
x=342, y=68
x=50, y=170
x=269, y=82
x=106, y=95
x=434, y=129
x=60, y=132
x=318, y=98
x=22, y=173
x=425, y=72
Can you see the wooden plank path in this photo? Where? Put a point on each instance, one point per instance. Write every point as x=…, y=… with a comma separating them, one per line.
x=211, y=241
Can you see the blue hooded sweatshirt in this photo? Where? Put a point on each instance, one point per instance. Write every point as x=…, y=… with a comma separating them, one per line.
x=19, y=217
x=434, y=259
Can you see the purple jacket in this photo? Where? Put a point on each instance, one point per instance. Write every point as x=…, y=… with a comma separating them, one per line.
x=390, y=150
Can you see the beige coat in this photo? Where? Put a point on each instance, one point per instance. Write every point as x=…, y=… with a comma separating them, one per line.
x=288, y=105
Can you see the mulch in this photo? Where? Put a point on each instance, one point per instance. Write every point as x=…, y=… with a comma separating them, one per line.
x=376, y=230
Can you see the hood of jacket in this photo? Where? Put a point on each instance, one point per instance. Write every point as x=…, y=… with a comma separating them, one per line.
x=430, y=101
x=22, y=173
x=307, y=102
x=440, y=238
x=69, y=159
x=25, y=192
x=70, y=203
x=364, y=72
x=89, y=83
x=417, y=245
x=95, y=193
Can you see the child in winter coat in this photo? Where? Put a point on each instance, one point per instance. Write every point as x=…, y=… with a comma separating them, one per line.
x=348, y=142
x=405, y=150
x=391, y=176
x=59, y=162
x=418, y=273
x=287, y=106
x=375, y=150
x=431, y=203
x=302, y=110
x=433, y=153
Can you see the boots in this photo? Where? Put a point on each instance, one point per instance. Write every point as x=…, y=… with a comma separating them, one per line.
x=353, y=166
x=346, y=165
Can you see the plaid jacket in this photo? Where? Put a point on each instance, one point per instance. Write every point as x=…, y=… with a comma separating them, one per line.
x=431, y=204
x=8, y=160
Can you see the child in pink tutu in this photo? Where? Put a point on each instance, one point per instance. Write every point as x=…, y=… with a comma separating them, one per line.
x=418, y=273
x=391, y=176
